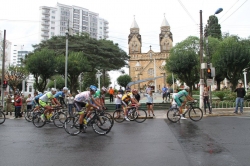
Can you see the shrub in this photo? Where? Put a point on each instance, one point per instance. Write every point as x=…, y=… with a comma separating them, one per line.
x=221, y=95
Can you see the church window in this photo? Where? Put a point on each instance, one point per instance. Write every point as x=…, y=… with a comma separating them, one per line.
x=151, y=71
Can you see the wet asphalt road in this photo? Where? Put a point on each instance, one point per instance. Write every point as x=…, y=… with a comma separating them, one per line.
x=222, y=141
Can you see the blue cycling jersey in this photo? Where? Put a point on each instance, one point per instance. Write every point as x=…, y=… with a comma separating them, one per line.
x=38, y=96
x=59, y=94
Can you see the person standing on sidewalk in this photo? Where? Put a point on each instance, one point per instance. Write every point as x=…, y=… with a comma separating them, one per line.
x=111, y=94
x=70, y=101
x=29, y=102
x=18, y=105
x=240, y=98
x=8, y=107
x=206, y=100
x=164, y=94
x=150, y=103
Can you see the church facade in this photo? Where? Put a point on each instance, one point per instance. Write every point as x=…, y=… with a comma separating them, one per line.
x=149, y=64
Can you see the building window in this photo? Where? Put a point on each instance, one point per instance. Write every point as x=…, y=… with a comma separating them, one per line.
x=100, y=27
x=84, y=23
x=30, y=88
x=52, y=33
x=76, y=16
x=52, y=22
x=53, y=11
x=53, y=17
x=52, y=27
x=151, y=71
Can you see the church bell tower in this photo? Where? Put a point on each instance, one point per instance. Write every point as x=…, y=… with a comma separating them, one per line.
x=134, y=39
x=166, y=37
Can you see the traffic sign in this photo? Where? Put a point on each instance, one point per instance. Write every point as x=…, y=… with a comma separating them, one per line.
x=210, y=82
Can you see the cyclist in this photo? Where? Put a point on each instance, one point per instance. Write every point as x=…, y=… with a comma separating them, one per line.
x=126, y=99
x=180, y=102
x=98, y=96
x=84, y=99
x=61, y=95
x=36, y=100
x=43, y=101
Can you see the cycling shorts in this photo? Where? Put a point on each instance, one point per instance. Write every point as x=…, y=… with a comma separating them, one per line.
x=178, y=101
x=79, y=105
x=124, y=103
x=43, y=104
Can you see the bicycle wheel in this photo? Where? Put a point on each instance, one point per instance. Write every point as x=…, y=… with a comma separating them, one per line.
x=102, y=125
x=141, y=115
x=132, y=114
x=195, y=114
x=2, y=117
x=71, y=126
x=118, y=116
x=28, y=115
x=37, y=121
x=59, y=119
x=173, y=115
x=110, y=117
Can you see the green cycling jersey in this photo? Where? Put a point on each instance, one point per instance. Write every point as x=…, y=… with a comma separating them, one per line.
x=97, y=94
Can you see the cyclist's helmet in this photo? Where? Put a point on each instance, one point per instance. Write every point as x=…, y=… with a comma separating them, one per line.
x=39, y=93
x=65, y=88
x=186, y=88
x=53, y=89
x=104, y=89
x=93, y=88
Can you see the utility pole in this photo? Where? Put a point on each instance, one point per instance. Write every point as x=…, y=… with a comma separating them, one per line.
x=3, y=63
x=201, y=61
x=66, y=54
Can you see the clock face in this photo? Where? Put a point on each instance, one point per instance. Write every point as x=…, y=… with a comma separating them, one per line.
x=166, y=36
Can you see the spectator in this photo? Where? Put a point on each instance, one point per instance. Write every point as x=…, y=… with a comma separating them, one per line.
x=150, y=103
x=18, y=105
x=8, y=102
x=70, y=102
x=24, y=104
x=168, y=93
x=29, y=102
x=164, y=94
x=240, y=98
x=120, y=90
x=174, y=104
x=137, y=95
x=148, y=89
x=111, y=94
x=118, y=100
x=206, y=100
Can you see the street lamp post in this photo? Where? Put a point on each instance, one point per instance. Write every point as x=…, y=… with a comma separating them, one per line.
x=245, y=79
x=66, y=57
x=154, y=67
x=98, y=74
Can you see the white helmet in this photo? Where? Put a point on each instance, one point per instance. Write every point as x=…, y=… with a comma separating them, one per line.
x=104, y=89
x=39, y=93
x=65, y=88
x=186, y=88
x=53, y=89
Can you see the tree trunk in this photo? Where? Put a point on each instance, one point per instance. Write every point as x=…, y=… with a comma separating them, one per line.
x=218, y=84
x=104, y=78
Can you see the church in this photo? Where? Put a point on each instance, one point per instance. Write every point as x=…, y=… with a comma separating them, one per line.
x=149, y=64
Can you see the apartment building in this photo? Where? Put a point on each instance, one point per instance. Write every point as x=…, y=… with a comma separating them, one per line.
x=56, y=20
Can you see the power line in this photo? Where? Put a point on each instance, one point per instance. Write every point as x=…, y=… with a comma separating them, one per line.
x=229, y=9
x=234, y=11
x=186, y=11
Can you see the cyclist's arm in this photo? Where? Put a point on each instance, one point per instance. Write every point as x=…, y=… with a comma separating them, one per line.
x=54, y=101
x=189, y=98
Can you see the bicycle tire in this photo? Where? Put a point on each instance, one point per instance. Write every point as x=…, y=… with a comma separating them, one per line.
x=132, y=114
x=173, y=115
x=110, y=117
x=141, y=115
x=118, y=116
x=37, y=121
x=71, y=126
x=28, y=115
x=102, y=125
x=2, y=117
x=59, y=119
x=195, y=114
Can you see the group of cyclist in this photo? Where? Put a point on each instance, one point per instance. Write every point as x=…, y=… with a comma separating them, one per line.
x=92, y=98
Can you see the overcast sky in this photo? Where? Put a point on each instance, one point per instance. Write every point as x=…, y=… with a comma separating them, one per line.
x=182, y=15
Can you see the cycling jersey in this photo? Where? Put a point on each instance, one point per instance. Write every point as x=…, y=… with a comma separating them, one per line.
x=127, y=97
x=181, y=94
x=36, y=98
x=59, y=94
x=83, y=97
x=97, y=94
x=46, y=97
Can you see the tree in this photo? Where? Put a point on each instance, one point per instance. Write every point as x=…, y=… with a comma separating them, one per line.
x=89, y=78
x=60, y=83
x=184, y=62
x=42, y=64
x=213, y=44
x=123, y=80
x=233, y=55
x=77, y=63
x=15, y=75
x=101, y=54
x=213, y=28
x=170, y=79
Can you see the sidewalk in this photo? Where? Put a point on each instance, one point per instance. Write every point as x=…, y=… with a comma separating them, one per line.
x=162, y=114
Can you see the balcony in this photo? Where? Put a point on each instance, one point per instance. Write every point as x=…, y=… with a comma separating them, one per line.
x=45, y=35
x=106, y=22
x=45, y=23
x=46, y=13
x=106, y=31
x=106, y=36
x=45, y=29
x=45, y=18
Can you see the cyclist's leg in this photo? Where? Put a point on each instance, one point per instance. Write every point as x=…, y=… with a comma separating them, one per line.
x=179, y=103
